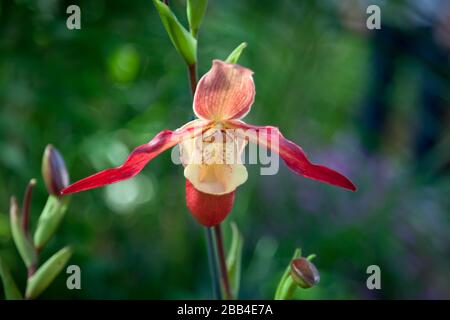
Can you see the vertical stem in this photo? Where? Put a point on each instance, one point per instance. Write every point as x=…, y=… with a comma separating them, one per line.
x=222, y=262
x=213, y=267
x=192, y=71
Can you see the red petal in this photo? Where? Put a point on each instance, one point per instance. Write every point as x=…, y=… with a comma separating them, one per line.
x=225, y=92
x=292, y=154
x=208, y=209
x=136, y=161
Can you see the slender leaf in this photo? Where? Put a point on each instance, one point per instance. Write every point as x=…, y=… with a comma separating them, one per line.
x=234, y=259
x=195, y=12
x=45, y=275
x=183, y=41
x=23, y=243
x=9, y=286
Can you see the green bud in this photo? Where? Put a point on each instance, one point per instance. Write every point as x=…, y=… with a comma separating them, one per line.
x=304, y=273
x=49, y=220
x=23, y=244
x=236, y=53
x=183, y=41
x=45, y=275
x=54, y=171
x=195, y=12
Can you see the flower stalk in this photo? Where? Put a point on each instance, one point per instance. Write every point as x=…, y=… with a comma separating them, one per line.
x=212, y=261
x=192, y=71
x=225, y=282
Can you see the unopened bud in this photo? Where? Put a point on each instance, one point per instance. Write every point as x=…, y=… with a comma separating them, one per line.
x=54, y=171
x=304, y=273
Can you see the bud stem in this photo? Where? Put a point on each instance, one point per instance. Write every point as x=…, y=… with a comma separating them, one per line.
x=288, y=289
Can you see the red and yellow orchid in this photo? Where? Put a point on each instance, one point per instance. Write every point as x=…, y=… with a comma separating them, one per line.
x=223, y=97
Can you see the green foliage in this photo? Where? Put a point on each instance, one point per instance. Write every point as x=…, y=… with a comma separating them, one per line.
x=49, y=220
x=196, y=10
x=184, y=42
x=286, y=286
x=23, y=243
x=9, y=286
x=39, y=281
x=234, y=259
x=236, y=53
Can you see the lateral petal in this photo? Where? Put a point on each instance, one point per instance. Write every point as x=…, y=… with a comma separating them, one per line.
x=138, y=158
x=292, y=154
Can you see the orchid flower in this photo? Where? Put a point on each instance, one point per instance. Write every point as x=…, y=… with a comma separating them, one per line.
x=223, y=97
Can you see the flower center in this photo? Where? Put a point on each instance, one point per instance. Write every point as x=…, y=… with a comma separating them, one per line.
x=213, y=161
x=216, y=146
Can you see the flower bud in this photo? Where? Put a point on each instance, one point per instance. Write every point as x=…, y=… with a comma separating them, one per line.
x=54, y=171
x=304, y=273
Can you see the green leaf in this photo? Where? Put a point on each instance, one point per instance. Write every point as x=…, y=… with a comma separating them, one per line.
x=234, y=260
x=39, y=281
x=183, y=41
x=9, y=286
x=286, y=284
x=23, y=243
x=234, y=56
x=49, y=220
x=195, y=12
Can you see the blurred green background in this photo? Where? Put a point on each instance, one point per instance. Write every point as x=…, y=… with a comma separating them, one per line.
x=98, y=92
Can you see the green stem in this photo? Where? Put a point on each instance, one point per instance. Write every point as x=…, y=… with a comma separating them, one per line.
x=286, y=287
x=288, y=290
x=213, y=267
x=222, y=263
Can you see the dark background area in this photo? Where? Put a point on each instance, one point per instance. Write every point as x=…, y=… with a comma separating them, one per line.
x=98, y=92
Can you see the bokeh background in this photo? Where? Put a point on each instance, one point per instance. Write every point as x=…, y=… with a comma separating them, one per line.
x=321, y=76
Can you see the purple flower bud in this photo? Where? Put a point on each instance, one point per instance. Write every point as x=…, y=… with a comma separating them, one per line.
x=54, y=171
x=304, y=273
